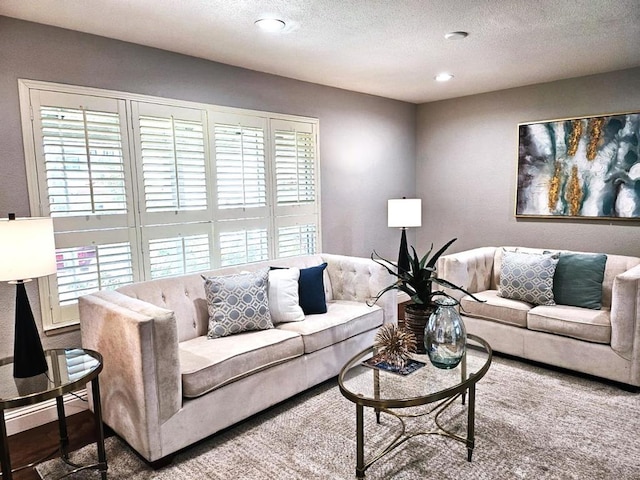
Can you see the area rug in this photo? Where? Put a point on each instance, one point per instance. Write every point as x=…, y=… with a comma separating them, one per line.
x=531, y=423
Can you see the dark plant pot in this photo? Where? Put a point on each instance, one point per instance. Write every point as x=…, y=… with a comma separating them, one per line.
x=415, y=319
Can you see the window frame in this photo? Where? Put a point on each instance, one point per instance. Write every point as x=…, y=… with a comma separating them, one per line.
x=52, y=319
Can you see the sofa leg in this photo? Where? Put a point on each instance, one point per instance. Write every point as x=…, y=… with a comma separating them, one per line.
x=162, y=462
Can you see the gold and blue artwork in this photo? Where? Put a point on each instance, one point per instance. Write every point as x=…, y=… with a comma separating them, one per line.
x=580, y=168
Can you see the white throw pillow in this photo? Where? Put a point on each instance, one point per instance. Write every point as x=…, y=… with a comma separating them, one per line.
x=283, y=295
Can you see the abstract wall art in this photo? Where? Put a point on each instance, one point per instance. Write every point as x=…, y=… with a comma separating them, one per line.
x=580, y=168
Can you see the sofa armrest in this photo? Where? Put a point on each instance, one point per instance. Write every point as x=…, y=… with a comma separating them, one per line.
x=471, y=270
x=360, y=279
x=140, y=382
x=625, y=317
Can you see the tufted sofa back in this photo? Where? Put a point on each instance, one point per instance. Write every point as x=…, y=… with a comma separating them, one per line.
x=616, y=264
x=346, y=278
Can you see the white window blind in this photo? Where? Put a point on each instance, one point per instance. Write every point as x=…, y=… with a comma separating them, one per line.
x=173, y=164
x=86, y=269
x=240, y=166
x=297, y=240
x=145, y=187
x=295, y=167
x=83, y=161
x=243, y=246
x=179, y=255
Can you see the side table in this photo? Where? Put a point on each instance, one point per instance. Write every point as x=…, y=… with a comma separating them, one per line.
x=69, y=370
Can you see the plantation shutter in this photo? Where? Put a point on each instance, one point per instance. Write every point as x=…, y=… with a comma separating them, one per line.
x=144, y=187
x=240, y=166
x=297, y=240
x=295, y=167
x=82, y=161
x=242, y=214
x=296, y=197
x=243, y=245
x=177, y=249
x=84, y=182
x=172, y=167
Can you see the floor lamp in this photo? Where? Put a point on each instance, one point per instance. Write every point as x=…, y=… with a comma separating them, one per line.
x=403, y=213
x=27, y=251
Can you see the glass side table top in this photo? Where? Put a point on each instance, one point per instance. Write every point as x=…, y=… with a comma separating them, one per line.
x=69, y=369
x=378, y=388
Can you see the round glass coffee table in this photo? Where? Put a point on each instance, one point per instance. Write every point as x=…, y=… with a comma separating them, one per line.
x=68, y=370
x=428, y=387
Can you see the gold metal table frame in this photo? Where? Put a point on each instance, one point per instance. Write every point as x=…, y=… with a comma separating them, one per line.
x=69, y=370
x=435, y=403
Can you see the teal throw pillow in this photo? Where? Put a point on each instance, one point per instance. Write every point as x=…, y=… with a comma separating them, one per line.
x=528, y=277
x=578, y=280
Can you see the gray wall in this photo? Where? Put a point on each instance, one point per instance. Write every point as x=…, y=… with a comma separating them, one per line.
x=466, y=166
x=367, y=143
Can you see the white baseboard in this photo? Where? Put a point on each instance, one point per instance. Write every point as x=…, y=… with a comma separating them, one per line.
x=25, y=418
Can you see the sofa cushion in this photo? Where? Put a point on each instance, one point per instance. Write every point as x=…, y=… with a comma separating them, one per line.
x=528, y=277
x=581, y=323
x=237, y=303
x=578, y=279
x=496, y=308
x=207, y=364
x=344, y=319
x=284, y=304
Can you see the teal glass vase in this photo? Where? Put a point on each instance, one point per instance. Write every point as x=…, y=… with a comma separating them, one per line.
x=445, y=337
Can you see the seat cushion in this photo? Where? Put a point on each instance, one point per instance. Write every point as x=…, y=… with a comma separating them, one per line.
x=496, y=308
x=344, y=319
x=576, y=322
x=210, y=363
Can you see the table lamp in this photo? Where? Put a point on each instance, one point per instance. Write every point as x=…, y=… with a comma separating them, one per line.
x=403, y=213
x=27, y=251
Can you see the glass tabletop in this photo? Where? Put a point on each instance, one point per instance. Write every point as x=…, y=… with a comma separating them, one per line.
x=69, y=369
x=375, y=387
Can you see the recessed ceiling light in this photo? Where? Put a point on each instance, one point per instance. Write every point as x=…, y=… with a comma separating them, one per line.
x=270, y=24
x=456, y=35
x=443, y=77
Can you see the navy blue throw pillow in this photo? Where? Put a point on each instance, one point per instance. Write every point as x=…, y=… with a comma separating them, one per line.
x=311, y=290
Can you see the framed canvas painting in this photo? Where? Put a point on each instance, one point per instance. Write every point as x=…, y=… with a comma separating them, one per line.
x=580, y=168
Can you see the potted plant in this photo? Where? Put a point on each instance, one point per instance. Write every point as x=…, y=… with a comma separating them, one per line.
x=417, y=282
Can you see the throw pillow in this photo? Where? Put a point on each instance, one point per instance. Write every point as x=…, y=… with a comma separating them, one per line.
x=528, y=277
x=237, y=303
x=311, y=290
x=283, y=295
x=578, y=280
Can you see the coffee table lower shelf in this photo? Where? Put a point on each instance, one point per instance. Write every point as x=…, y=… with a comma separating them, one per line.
x=428, y=391
x=403, y=435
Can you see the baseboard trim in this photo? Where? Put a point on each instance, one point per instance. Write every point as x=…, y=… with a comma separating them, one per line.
x=25, y=418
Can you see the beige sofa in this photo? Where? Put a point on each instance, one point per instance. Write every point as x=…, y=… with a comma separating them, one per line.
x=604, y=343
x=152, y=336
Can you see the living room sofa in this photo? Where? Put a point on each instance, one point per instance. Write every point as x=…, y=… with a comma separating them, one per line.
x=604, y=342
x=166, y=385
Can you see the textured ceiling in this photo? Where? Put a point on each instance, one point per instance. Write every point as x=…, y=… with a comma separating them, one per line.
x=381, y=47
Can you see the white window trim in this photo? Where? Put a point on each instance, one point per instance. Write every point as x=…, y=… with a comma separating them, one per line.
x=37, y=204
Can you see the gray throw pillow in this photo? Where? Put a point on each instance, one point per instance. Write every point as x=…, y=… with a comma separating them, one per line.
x=528, y=277
x=237, y=303
x=578, y=280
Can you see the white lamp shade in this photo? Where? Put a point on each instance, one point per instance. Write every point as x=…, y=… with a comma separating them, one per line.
x=27, y=248
x=404, y=212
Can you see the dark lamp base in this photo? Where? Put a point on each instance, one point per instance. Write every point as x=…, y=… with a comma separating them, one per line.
x=28, y=356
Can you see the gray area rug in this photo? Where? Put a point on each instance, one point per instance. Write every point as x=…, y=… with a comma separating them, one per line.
x=531, y=423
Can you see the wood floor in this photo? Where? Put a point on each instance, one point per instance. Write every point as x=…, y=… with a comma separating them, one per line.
x=29, y=446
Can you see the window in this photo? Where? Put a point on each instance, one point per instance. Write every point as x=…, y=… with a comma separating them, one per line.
x=142, y=187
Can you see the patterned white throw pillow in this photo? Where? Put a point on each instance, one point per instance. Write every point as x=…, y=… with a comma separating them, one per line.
x=528, y=277
x=237, y=303
x=284, y=301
